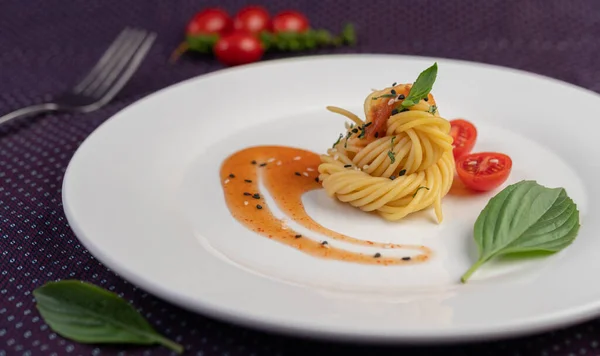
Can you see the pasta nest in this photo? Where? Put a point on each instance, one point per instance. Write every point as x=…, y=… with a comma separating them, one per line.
x=407, y=169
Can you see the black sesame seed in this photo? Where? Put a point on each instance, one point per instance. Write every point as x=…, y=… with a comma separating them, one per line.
x=258, y=206
x=368, y=124
x=256, y=196
x=347, y=165
x=355, y=130
x=376, y=134
x=297, y=173
x=405, y=258
x=253, y=162
x=317, y=179
x=324, y=243
x=298, y=236
x=395, y=111
x=401, y=96
x=392, y=177
x=248, y=180
x=377, y=255
x=247, y=194
x=393, y=92
x=262, y=164
x=426, y=99
x=401, y=173
x=394, y=84
x=231, y=175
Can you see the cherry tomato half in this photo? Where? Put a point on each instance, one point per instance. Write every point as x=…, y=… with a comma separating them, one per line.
x=238, y=48
x=290, y=21
x=252, y=19
x=464, y=135
x=209, y=21
x=484, y=171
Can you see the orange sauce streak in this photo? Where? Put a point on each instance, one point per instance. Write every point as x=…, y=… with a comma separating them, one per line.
x=288, y=173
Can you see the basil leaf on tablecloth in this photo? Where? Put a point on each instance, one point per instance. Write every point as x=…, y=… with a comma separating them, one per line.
x=86, y=313
x=525, y=217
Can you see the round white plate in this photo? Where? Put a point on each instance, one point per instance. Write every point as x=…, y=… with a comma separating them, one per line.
x=143, y=194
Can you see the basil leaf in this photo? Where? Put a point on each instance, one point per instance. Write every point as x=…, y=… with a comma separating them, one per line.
x=421, y=87
x=201, y=43
x=525, y=217
x=348, y=34
x=86, y=313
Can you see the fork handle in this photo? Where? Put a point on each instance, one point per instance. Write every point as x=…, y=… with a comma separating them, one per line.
x=30, y=110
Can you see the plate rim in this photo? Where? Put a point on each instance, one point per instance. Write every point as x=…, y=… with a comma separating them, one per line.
x=528, y=326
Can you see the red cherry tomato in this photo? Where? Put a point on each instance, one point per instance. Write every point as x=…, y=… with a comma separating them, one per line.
x=484, y=171
x=252, y=19
x=464, y=135
x=209, y=21
x=290, y=21
x=238, y=48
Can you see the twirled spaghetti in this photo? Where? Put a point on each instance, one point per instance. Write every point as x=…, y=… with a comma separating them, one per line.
x=397, y=162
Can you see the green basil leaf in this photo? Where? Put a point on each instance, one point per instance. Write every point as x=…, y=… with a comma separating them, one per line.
x=86, y=313
x=201, y=43
x=421, y=87
x=348, y=34
x=525, y=217
x=267, y=39
x=322, y=37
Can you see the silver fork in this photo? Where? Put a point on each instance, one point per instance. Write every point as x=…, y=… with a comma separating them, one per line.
x=104, y=81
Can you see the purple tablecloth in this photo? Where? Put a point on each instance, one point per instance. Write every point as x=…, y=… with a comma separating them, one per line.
x=45, y=45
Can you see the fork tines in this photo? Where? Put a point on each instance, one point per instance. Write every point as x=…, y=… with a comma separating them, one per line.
x=117, y=64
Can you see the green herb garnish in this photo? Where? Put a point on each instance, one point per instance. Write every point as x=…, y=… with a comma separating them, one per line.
x=286, y=41
x=363, y=132
x=421, y=87
x=363, y=129
x=347, y=137
x=416, y=191
x=391, y=153
x=384, y=96
x=338, y=141
x=525, y=217
x=432, y=109
x=87, y=313
x=392, y=156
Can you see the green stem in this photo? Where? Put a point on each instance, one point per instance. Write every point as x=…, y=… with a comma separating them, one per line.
x=169, y=344
x=470, y=271
x=178, y=52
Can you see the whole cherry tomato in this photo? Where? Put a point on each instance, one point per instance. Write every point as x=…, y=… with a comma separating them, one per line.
x=238, y=48
x=464, y=135
x=290, y=21
x=483, y=171
x=252, y=19
x=209, y=21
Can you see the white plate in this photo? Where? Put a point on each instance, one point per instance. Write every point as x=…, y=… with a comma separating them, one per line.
x=143, y=194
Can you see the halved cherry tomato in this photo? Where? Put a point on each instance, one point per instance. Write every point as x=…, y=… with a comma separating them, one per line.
x=290, y=21
x=209, y=21
x=252, y=19
x=238, y=48
x=484, y=171
x=464, y=135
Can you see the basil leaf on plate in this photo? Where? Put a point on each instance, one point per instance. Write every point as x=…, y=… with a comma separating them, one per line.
x=421, y=87
x=525, y=217
x=86, y=313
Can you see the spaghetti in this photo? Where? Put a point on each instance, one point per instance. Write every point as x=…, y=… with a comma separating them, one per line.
x=397, y=162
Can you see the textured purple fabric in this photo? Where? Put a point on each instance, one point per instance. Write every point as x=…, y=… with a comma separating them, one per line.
x=45, y=45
